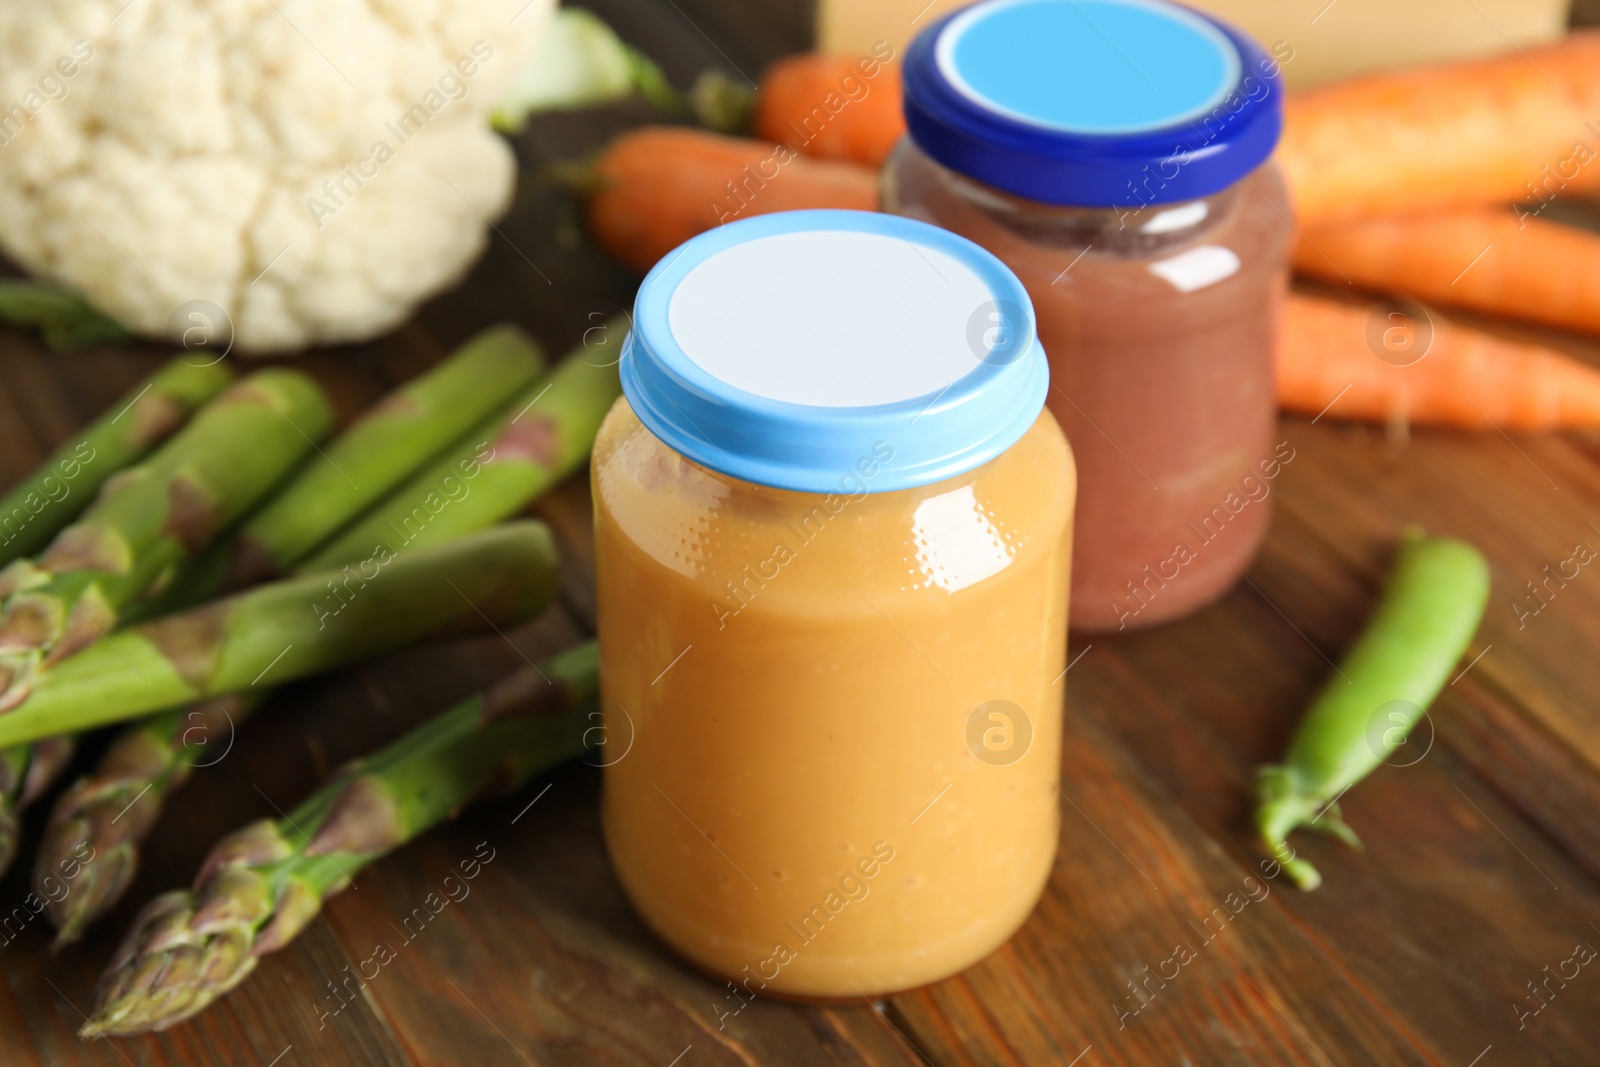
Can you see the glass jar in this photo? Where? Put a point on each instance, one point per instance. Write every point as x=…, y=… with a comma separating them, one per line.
x=833, y=537
x=1152, y=233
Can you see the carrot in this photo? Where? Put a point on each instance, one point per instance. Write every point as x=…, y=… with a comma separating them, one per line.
x=1483, y=259
x=1467, y=379
x=658, y=186
x=1508, y=128
x=1454, y=135
x=832, y=106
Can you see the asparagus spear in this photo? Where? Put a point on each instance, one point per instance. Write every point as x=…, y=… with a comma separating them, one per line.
x=101, y=819
x=148, y=517
x=389, y=443
x=289, y=629
x=263, y=884
x=153, y=515
x=502, y=466
x=65, y=321
x=54, y=494
x=114, y=809
x=90, y=812
x=25, y=772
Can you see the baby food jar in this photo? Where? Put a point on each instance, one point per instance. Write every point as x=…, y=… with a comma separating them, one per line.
x=833, y=537
x=1114, y=153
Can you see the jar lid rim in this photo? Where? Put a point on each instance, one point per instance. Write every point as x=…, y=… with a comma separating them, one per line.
x=734, y=411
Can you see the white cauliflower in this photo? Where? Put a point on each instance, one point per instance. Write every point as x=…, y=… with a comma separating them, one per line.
x=314, y=168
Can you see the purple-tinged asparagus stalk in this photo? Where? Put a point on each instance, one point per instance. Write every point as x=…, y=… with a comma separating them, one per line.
x=538, y=439
x=149, y=518
x=262, y=885
x=99, y=822
x=63, y=485
x=289, y=629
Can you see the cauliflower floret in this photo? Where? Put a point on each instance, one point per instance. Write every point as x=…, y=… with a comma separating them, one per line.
x=313, y=168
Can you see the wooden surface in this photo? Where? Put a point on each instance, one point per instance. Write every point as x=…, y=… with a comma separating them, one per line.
x=1481, y=872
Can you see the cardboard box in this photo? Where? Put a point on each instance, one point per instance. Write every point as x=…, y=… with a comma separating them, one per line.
x=1330, y=39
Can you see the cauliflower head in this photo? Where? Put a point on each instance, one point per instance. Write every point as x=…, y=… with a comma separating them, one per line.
x=311, y=169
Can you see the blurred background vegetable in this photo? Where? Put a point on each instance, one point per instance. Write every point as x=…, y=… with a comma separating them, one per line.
x=1479, y=259
x=1442, y=137
x=580, y=63
x=275, y=196
x=1435, y=373
x=657, y=186
x=65, y=322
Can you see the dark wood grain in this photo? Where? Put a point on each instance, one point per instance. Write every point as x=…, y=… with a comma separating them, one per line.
x=1482, y=865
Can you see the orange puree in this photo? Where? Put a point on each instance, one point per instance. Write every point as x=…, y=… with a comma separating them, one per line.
x=844, y=709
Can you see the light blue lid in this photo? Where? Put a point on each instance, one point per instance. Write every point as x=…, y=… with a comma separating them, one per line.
x=803, y=349
x=1089, y=66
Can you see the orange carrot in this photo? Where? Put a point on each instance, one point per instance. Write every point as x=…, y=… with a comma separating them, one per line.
x=1467, y=379
x=1482, y=259
x=658, y=186
x=833, y=106
x=1505, y=129
x=1464, y=134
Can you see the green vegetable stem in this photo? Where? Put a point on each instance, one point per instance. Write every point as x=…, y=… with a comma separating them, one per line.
x=581, y=63
x=500, y=467
x=263, y=884
x=389, y=443
x=151, y=517
x=295, y=627
x=66, y=322
x=1396, y=668
x=63, y=485
x=108, y=813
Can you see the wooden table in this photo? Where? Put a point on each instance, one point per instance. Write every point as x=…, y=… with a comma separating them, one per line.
x=1480, y=876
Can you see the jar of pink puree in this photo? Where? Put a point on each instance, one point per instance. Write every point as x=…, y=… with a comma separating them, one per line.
x=1114, y=154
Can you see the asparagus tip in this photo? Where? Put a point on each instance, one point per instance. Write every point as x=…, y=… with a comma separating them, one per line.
x=17, y=670
x=183, y=953
x=101, y=882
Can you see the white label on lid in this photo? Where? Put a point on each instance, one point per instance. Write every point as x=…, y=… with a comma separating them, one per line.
x=833, y=318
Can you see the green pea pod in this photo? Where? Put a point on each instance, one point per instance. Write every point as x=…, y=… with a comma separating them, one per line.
x=1396, y=668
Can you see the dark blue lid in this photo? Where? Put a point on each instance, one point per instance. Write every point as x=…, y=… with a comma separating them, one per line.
x=1093, y=103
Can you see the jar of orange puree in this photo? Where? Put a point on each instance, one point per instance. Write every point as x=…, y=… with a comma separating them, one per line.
x=1114, y=153
x=833, y=536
